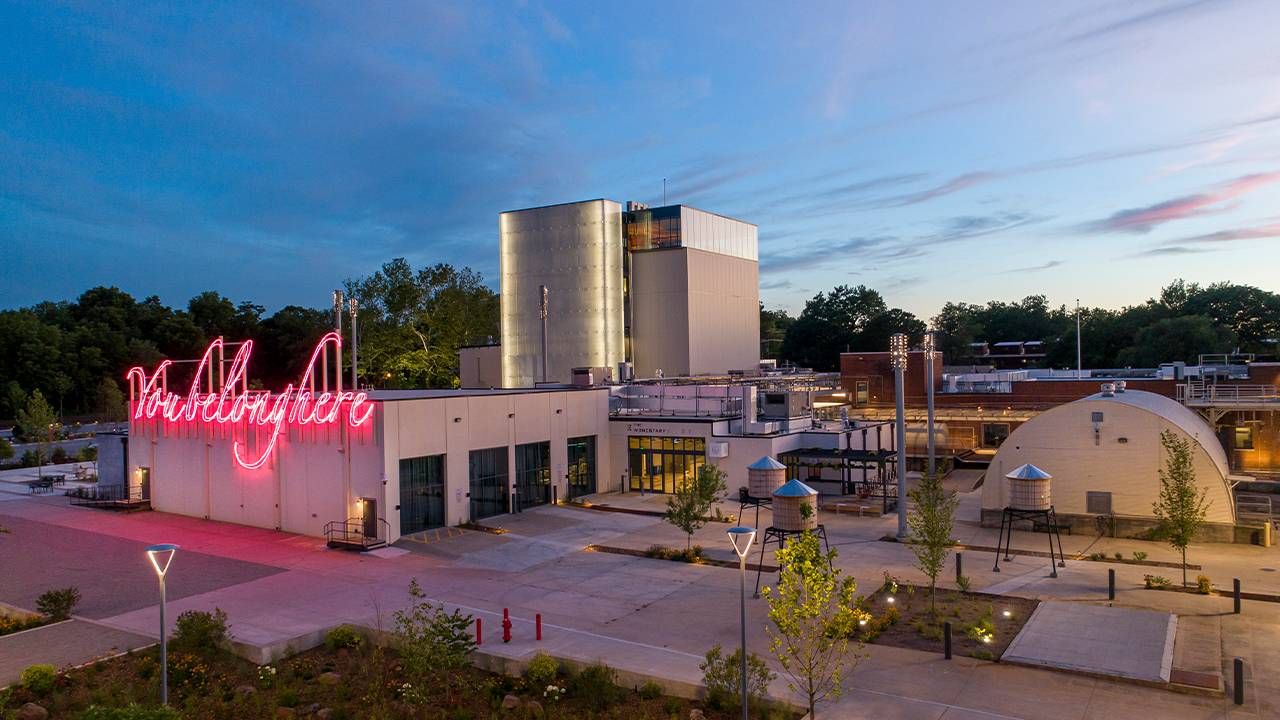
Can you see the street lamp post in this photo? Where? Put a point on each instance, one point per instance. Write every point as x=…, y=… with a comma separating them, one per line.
x=741, y=538
x=898, y=359
x=930, y=351
x=161, y=556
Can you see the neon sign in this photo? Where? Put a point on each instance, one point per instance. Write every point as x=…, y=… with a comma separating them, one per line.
x=296, y=404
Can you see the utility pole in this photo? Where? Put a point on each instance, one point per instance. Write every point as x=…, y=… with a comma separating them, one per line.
x=930, y=350
x=1079, y=367
x=355, y=344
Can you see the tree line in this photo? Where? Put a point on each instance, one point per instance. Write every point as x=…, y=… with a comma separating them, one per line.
x=76, y=353
x=1184, y=321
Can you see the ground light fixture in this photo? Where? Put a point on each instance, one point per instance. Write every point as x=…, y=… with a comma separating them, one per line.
x=742, y=537
x=161, y=556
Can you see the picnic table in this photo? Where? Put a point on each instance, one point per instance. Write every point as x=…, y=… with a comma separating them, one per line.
x=41, y=485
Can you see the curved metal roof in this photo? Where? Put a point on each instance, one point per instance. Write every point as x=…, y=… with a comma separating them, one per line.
x=794, y=488
x=766, y=463
x=1175, y=413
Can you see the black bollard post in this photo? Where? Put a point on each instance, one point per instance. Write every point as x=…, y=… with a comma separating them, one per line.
x=959, y=566
x=946, y=640
x=1111, y=583
x=1236, y=586
x=1238, y=689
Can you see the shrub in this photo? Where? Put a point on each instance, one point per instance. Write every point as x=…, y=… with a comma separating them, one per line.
x=39, y=679
x=1203, y=586
x=434, y=644
x=1139, y=555
x=962, y=582
x=650, y=691
x=1155, y=581
x=343, y=636
x=1119, y=556
x=723, y=676
x=597, y=685
x=130, y=712
x=58, y=456
x=288, y=698
x=201, y=631
x=983, y=631
x=671, y=706
x=58, y=604
x=877, y=625
x=542, y=670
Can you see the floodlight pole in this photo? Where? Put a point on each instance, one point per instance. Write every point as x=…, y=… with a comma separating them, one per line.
x=161, y=570
x=898, y=358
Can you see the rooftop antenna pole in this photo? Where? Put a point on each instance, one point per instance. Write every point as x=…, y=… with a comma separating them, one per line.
x=1079, y=369
x=355, y=344
x=337, y=352
x=542, y=312
x=664, y=191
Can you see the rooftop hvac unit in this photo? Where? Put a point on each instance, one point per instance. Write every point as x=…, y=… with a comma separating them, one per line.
x=718, y=449
x=1108, y=389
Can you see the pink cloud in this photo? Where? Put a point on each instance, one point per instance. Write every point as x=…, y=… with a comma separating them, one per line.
x=1143, y=220
x=1250, y=233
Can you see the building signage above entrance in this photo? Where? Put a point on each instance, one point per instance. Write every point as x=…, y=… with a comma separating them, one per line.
x=295, y=405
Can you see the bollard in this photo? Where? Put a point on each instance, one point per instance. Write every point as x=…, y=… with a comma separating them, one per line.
x=1111, y=583
x=537, y=621
x=1235, y=584
x=479, y=637
x=946, y=640
x=1239, y=682
x=959, y=567
x=506, y=625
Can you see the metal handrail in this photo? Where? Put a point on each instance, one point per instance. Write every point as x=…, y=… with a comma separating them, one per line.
x=1208, y=393
x=104, y=493
x=351, y=532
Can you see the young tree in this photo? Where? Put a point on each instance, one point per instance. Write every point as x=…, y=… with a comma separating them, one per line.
x=689, y=505
x=813, y=613
x=930, y=520
x=1181, y=508
x=39, y=423
x=6, y=449
x=434, y=644
x=109, y=401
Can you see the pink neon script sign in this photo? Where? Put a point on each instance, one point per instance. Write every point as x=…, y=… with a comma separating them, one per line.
x=295, y=405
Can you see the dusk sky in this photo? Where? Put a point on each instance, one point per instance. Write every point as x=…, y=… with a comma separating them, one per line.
x=934, y=151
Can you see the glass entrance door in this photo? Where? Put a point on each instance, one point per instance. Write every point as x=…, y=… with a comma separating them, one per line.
x=421, y=493
x=488, y=471
x=582, y=466
x=533, y=475
x=661, y=464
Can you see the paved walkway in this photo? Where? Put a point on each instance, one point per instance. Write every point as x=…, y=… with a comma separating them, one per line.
x=1097, y=639
x=638, y=614
x=73, y=642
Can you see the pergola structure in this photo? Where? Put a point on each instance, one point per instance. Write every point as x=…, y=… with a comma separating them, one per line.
x=864, y=473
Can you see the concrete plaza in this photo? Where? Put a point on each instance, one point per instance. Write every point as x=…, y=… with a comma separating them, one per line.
x=646, y=617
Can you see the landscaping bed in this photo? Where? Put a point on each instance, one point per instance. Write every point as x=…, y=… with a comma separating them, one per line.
x=982, y=625
x=362, y=683
x=693, y=555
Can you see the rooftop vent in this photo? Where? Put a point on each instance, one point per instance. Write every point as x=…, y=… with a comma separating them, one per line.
x=1120, y=384
x=1108, y=389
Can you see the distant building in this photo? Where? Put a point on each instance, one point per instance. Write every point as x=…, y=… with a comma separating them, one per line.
x=670, y=291
x=480, y=366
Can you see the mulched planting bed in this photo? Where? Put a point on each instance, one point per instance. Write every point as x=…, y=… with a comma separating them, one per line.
x=907, y=622
x=356, y=684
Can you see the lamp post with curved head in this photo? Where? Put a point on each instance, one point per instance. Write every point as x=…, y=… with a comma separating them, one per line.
x=160, y=557
x=898, y=359
x=741, y=537
x=930, y=352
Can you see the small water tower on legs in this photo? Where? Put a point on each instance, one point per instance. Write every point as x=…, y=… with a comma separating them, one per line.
x=1030, y=498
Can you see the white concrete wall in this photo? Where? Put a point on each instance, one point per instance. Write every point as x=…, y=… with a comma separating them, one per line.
x=1061, y=441
x=480, y=367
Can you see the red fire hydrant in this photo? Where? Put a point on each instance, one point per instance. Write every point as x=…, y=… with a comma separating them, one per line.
x=506, y=625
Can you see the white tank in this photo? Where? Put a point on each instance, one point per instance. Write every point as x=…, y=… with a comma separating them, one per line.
x=1029, y=488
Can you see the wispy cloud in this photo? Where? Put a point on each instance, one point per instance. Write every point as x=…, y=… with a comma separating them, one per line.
x=1144, y=219
x=775, y=285
x=1033, y=268
x=1171, y=250
x=1250, y=233
x=1138, y=20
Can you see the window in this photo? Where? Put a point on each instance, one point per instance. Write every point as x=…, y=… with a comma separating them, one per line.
x=533, y=474
x=421, y=493
x=488, y=471
x=661, y=464
x=862, y=392
x=1097, y=503
x=582, y=466
x=994, y=434
x=1243, y=437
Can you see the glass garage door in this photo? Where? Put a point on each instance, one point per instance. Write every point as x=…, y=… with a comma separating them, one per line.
x=489, y=481
x=421, y=493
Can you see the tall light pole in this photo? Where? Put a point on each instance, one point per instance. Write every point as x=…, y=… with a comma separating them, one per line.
x=741, y=538
x=355, y=344
x=160, y=557
x=930, y=351
x=898, y=358
x=1079, y=369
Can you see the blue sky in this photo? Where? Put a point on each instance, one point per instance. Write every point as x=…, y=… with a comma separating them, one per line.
x=934, y=151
